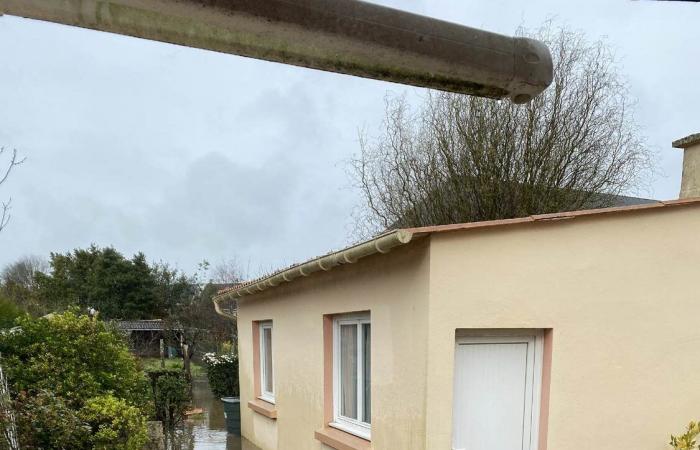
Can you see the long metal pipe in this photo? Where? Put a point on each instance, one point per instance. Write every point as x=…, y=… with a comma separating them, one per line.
x=346, y=36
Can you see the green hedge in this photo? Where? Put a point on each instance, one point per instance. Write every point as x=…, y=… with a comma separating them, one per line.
x=171, y=394
x=222, y=371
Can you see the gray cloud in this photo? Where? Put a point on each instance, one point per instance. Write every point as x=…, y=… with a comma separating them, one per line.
x=186, y=154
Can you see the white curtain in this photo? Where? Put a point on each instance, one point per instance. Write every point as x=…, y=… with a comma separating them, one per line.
x=366, y=366
x=267, y=342
x=348, y=371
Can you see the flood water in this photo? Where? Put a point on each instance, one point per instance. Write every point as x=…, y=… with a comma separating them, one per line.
x=208, y=432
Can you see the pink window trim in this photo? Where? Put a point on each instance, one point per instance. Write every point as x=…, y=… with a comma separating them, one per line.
x=546, y=382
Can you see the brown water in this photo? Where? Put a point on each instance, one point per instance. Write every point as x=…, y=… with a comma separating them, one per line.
x=208, y=432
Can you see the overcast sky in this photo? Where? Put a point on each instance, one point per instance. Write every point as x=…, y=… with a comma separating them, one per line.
x=188, y=155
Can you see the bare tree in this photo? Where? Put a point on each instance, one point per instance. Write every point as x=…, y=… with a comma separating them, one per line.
x=191, y=319
x=464, y=159
x=226, y=272
x=223, y=275
x=23, y=272
x=15, y=160
x=19, y=283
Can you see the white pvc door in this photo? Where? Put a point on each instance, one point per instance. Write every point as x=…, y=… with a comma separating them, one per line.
x=496, y=393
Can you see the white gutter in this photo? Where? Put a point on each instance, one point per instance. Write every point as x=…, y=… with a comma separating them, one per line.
x=220, y=311
x=381, y=244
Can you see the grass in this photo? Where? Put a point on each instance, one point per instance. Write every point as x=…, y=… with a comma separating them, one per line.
x=172, y=363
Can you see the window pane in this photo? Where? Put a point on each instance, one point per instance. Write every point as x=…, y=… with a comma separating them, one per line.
x=366, y=362
x=348, y=371
x=267, y=343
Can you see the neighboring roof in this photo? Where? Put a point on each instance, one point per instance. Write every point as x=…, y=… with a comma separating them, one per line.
x=421, y=211
x=140, y=325
x=624, y=200
x=687, y=141
x=391, y=239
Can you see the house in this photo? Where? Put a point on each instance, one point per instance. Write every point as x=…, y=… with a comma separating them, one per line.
x=566, y=331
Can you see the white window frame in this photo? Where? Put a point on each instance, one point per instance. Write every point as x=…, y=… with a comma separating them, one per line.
x=534, y=367
x=347, y=424
x=265, y=395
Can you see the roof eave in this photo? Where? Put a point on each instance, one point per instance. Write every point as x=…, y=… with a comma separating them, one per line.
x=381, y=244
x=395, y=238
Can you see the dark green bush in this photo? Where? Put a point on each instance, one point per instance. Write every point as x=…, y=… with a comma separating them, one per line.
x=9, y=312
x=75, y=384
x=75, y=357
x=222, y=371
x=45, y=421
x=171, y=393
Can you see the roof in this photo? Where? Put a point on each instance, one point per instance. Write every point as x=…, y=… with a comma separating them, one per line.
x=140, y=325
x=223, y=287
x=687, y=141
x=421, y=210
x=624, y=200
x=391, y=239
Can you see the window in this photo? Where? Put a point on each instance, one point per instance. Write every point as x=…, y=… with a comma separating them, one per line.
x=351, y=374
x=267, y=380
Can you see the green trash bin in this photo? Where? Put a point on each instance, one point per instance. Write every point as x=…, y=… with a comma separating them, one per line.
x=232, y=413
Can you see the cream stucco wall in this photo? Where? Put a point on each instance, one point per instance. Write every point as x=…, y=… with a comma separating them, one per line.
x=620, y=291
x=394, y=288
x=622, y=295
x=690, y=181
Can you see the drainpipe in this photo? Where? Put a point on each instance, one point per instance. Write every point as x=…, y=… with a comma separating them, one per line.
x=221, y=312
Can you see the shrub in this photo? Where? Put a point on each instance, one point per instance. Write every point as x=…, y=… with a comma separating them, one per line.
x=75, y=357
x=222, y=371
x=227, y=347
x=45, y=421
x=114, y=424
x=686, y=441
x=171, y=393
x=76, y=385
x=9, y=312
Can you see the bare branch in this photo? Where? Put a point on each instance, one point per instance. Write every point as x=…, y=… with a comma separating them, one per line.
x=15, y=160
x=463, y=159
x=226, y=272
x=4, y=214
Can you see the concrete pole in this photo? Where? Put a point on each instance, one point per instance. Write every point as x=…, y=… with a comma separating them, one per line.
x=345, y=36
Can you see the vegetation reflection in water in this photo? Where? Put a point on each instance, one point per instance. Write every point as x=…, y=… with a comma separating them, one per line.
x=208, y=430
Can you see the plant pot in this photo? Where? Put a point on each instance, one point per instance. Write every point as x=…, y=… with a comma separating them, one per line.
x=232, y=413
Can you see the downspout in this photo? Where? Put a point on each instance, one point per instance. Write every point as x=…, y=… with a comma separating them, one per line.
x=220, y=311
